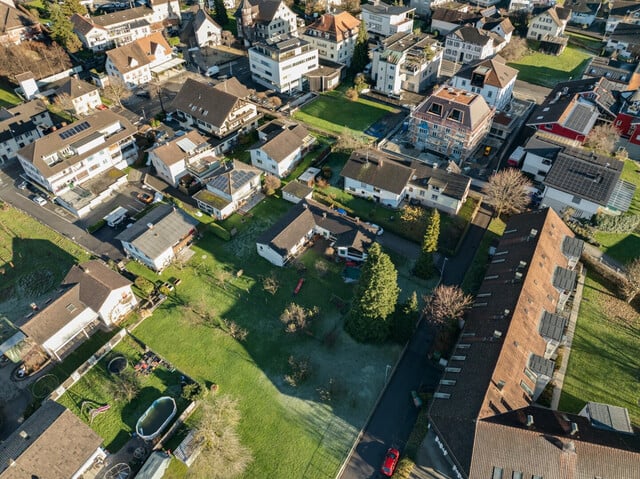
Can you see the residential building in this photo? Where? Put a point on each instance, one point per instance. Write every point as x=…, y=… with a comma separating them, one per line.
x=166, y=12
x=324, y=78
x=425, y=8
x=586, y=182
x=467, y=44
x=583, y=12
x=92, y=296
x=539, y=153
x=383, y=20
x=334, y=36
x=628, y=116
x=281, y=148
x=391, y=180
x=158, y=237
x=501, y=26
x=136, y=63
x=486, y=3
x=505, y=355
x=406, y=61
x=281, y=63
x=84, y=96
x=573, y=107
x=16, y=24
x=624, y=76
x=53, y=443
x=450, y=16
x=72, y=155
x=207, y=32
x=490, y=78
x=520, y=6
x=451, y=123
x=296, y=191
x=287, y=238
x=20, y=126
x=103, y=32
x=548, y=28
x=625, y=40
x=222, y=110
x=231, y=187
x=622, y=11
x=261, y=20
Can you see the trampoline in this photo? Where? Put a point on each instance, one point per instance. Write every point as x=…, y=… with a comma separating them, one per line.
x=117, y=365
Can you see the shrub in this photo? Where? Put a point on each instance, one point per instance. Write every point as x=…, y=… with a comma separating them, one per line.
x=95, y=227
x=352, y=94
x=192, y=391
x=220, y=231
x=271, y=184
x=327, y=172
x=144, y=285
x=617, y=224
x=299, y=370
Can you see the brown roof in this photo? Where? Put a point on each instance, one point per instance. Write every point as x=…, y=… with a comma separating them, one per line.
x=123, y=16
x=233, y=86
x=297, y=189
x=473, y=107
x=82, y=24
x=495, y=71
x=502, y=330
x=547, y=448
x=173, y=152
x=12, y=18
x=75, y=87
x=285, y=142
x=97, y=281
x=138, y=53
x=56, y=446
x=378, y=169
x=338, y=25
x=558, y=14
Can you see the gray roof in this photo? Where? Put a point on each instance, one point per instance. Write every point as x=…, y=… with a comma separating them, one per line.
x=474, y=108
x=377, y=169
x=552, y=326
x=297, y=189
x=201, y=18
x=613, y=70
x=169, y=225
x=564, y=279
x=155, y=466
x=18, y=120
x=572, y=247
x=384, y=9
x=475, y=36
x=626, y=33
x=584, y=174
x=540, y=365
x=261, y=10
x=97, y=281
x=206, y=103
x=123, y=16
x=285, y=142
x=231, y=177
x=453, y=185
x=608, y=417
x=622, y=7
x=75, y=87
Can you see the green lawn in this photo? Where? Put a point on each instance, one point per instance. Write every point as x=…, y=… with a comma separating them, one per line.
x=33, y=261
x=603, y=364
x=547, y=70
x=116, y=424
x=584, y=41
x=7, y=97
x=291, y=431
x=333, y=113
x=475, y=274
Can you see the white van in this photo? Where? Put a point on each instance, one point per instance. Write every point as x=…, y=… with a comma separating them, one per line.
x=214, y=70
x=116, y=217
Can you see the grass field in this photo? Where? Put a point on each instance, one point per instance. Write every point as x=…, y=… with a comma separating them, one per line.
x=7, y=97
x=291, y=431
x=116, y=424
x=33, y=261
x=333, y=113
x=603, y=364
x=547, y=70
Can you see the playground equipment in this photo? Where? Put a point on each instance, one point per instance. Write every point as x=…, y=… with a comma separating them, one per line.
x=91, y=409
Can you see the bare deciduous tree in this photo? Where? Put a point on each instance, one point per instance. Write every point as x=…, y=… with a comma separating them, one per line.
x=236, y=332
x=300, y=369
x=446, y=304
x=65, y=103
x=349, y=141
x=125, y=386
x=223, y=454
x=515, y=49
x=116, y=91
x=271, y=284
x=603, y=138
x=222, y=276
x=271, y=184
x=508, y=191
x=297, y=318
x=631, y=286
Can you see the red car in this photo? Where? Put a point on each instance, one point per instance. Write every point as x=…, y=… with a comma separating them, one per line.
x=390, y=462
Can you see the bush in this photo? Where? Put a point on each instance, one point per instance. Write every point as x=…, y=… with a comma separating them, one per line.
x=145, y=286
x=327, y=172
x=220, y=231
x=271, y=184
x=95, y=227
x=352, y=94
x=617, y=224
x=418, y=434
x=191, y=391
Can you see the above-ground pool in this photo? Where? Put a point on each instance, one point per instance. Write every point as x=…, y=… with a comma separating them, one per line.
x=156, y=418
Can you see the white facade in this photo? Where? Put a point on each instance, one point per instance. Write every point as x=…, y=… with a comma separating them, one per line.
x=165, y=10
x=276, y=258
x=536, y=165
x=13, y=137
x=432, y=197
x=230, y=202
x=281, y=66
x=459, y=51
x=545, y=25
x=260, y=159
x=139, y=74
x=385, y=20
x=495, y=95
x=630, y=15
x=158, y=263
x=559, y=200
x=334, y=36
x=87, y=102
x=364, y=190
x=208, y=33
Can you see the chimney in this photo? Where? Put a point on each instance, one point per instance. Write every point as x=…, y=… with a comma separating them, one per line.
x=324, y=214
x=529, y=420
x=150, y=226
x=568, y=447
x=24, y=435
x=574, y=429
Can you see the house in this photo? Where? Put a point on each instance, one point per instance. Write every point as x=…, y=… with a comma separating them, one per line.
x=222, y=110
x=501, y=26
x=588, y=183
x=573, y=107
x=451, y=123
x=491, y=78
x=548, y=28
x=502, y=361
x=383, y=20
x=286, y=239
x=583, y=12
x=486, y=3
x=467, y=44
x=232, y=186
x=334, y=36
x=628, y=116
x=83, y=96
x=78, y=153
x=53, y=443
x=624, y=76
x=296, y=191
x=539, y=153
x=426, y=8
x=281, y=148
x=390, y=180
x=406, y=61
x=449, y=16
x=520, y=6
x=16, y=24
x=103, y=32
x=625, y=40
x=281, y=62
x=20, y=126
x=325, y=77
x=158, y=237
x=166, y=12
x=206, y=31
x=92, y=297
x=136, y=63
x=622, y=11
x=261, y=20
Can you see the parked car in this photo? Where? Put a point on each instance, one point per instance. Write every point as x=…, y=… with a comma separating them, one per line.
x=378, y=229
x=214, y=70
x=39, y=200
x=143, y=94
x=390, y=462
x=145, y=197
x=487, y=151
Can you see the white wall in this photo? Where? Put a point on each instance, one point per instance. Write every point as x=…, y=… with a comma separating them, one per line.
x=363, y=190
x=70, y=330
x=113, y=308
x=269, y=254
x=536, y=165
x=558, y=200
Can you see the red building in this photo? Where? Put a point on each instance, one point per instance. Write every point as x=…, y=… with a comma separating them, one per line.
x=628, y=118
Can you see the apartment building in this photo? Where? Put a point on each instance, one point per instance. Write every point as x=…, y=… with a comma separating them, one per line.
x=467, y=44
x=20, y=126
x=334, y=36
x=383, y=20
x=260, y=20
x=491, y=78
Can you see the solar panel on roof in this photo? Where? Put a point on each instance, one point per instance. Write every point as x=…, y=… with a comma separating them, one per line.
x=74, y=130
x=185, y=144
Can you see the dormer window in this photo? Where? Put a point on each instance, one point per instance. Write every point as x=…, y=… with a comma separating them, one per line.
x=436, y=109
x=456, y=115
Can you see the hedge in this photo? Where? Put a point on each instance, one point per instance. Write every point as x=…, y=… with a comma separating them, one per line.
x=95, y=227
x=219, y=231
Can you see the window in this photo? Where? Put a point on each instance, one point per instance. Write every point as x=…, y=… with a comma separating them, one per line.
x=497, y=473
x=436, y=109
x=456, y=115
x=576, y=200
x=434, y=197
x=526, y=388
x=516, y=475
x=530, y=374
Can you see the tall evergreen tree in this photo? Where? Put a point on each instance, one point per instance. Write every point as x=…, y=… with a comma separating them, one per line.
x=69, y=7
x=375, y=298
x=220, y=17
x=360, y=50
x=62, y=30
x=424, y=265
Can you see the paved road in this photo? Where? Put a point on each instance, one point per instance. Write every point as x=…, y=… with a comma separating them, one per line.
x=527, y=91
